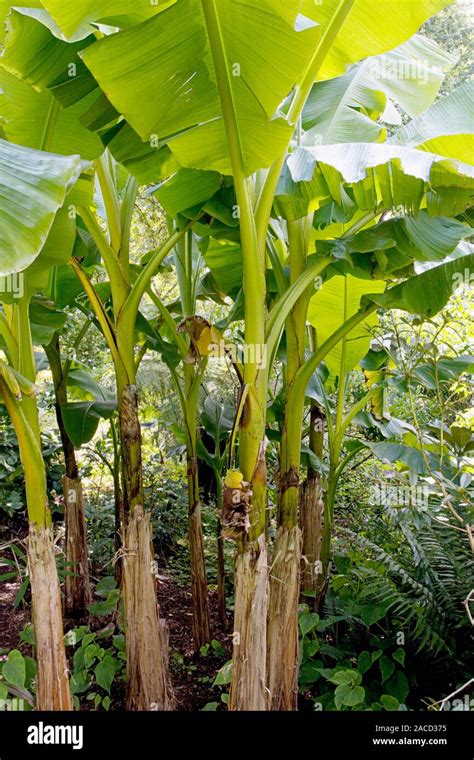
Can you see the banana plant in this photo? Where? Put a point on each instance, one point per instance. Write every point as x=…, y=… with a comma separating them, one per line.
x=36, y=190
x=127, y=287
x=226, y=124
x=188, y=269
x=343, y=327
x=81, y=417
x=62, y=108
x=44, y=105
x=192, y=340
x=77, y=423
x=43, y=121
x=215, y=105
x=311, y=497
x=337, y=110
x=190, y=344
x=217, y=421
x=343, y=215
x=147, y=667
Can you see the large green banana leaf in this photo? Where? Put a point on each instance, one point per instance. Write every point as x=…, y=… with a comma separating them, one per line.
x=56, y=251
x=341, y=297
x=35, y=53
x=340, y=109
x=344, y=109
x=147, y=163
x=224, y=259
x=371, y=27
x=26, y=116
x=187, y=188
x=81, y=419
x=446, y=128
x=45, y=321
x=411, y=75
x=388, y=249
x=33, y=187
x=427, y=293
x=394, y=176
x=72, y=17
x=399, y=452
x=44, y=60
x=338, y=299
x=174, y=99
x=267, y=46
x=40, y=57
x=160, y=76
x=5, y=8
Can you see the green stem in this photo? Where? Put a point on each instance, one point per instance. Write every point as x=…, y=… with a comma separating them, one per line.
x=297, y=390
x=253, y=426
x=295, y=346
x=296, y=319
x=280, y=277
x=111, y=201
x=184, y=265
x=59, y=373
x=304, y=374
x=26, y=362
x=345, y=423
x=343, y=464
x=126, y=213
x=170, y=323
x=31, y=459
x=9, y=339
x=335, y=448
x=265, y=201
x=108, y=329
x=118, y=283
x=130, y=308
x=281, y=309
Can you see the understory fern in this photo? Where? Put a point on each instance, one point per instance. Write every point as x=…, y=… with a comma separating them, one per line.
x=423, y=590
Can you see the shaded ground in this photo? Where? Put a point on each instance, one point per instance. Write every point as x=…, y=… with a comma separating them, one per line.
x=192, y=674
x=12, y=621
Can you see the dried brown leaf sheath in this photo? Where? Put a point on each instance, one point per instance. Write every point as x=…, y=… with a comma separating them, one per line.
x=237, y=500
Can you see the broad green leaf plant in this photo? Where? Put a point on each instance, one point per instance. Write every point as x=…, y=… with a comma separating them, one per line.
x=36, y=186
x=289, y=106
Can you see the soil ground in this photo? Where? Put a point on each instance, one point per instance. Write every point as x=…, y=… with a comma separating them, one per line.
x=192, y=674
